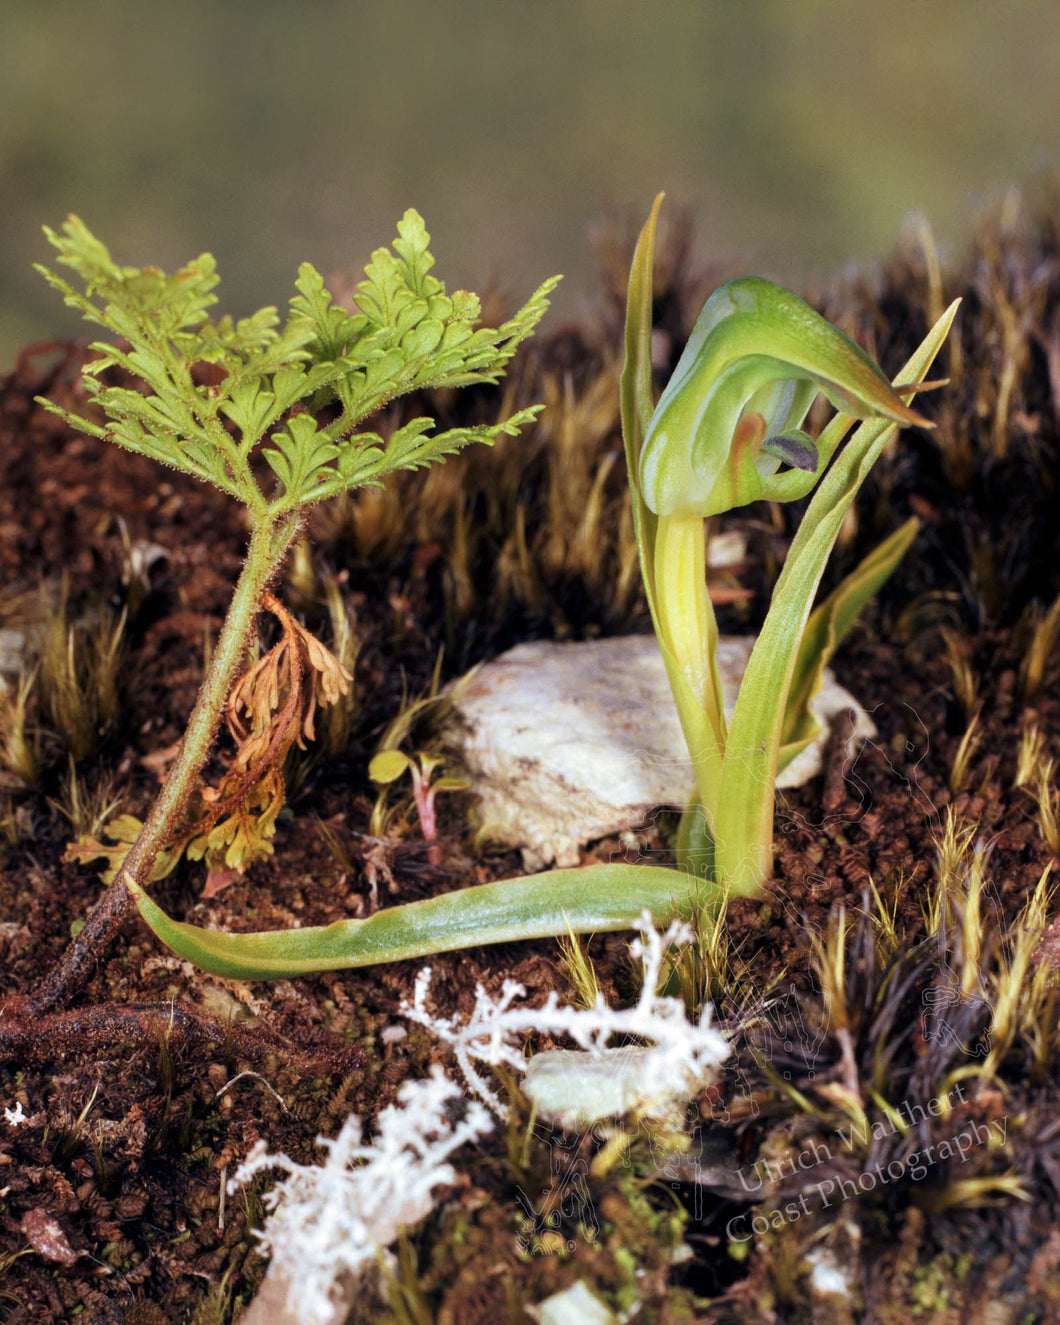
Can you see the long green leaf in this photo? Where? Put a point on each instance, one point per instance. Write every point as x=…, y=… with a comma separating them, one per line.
x=635, y=394
x=699, y=701
x=828, y=625
x=582, y=901
x=744, y=830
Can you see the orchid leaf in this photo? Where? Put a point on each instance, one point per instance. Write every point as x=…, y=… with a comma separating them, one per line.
x=688, y=636
x=744, y=849
x=598, y=898
x=828, y=625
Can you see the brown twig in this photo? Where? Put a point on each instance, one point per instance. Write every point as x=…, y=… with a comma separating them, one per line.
x=30, y=1039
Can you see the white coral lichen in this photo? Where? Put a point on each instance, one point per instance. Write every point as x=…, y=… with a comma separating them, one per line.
x=677, y=1060
x=330, y=1221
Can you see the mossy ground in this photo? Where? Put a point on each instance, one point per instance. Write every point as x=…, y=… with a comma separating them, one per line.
x=133, y=1126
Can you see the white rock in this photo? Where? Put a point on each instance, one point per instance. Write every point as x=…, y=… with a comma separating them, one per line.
x=566, y=743
x=576, y=1305
x=575, y=1089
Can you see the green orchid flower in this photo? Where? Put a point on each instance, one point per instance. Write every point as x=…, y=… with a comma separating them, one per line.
x=733, y=410
x=727, y=431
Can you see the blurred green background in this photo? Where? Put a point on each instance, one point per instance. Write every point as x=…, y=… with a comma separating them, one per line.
x=801, y=133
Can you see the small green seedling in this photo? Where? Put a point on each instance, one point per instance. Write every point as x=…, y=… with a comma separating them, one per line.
x=388, y=765
x=728, y=421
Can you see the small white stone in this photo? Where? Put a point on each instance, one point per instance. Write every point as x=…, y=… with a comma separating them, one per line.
x=575, y=1089
x=726, y=549
x=567, y=743
x=827, y=1280
x=576, y=1305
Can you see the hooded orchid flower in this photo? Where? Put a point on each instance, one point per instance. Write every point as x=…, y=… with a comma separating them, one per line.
x=733, y=410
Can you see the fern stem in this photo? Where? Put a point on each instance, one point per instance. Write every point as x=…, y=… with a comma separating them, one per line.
x=268, y=546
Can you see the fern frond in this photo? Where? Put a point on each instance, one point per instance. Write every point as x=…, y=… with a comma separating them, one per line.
x=406, y=334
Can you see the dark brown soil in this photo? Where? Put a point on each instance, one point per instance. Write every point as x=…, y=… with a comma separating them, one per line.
x=111, y=1204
